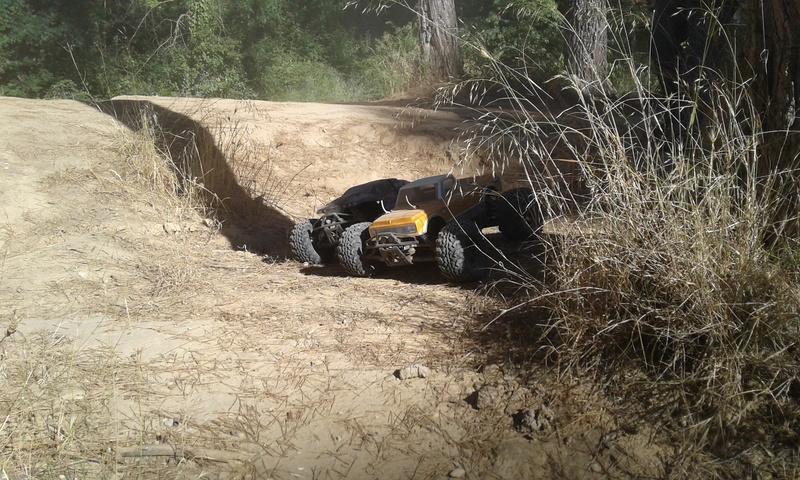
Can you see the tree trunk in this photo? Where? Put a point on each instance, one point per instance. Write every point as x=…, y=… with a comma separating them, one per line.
x=438, y=34
x=587, y=39
x=774, y=54
x=690, y=53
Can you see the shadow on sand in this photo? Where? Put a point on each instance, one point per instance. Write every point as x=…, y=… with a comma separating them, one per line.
x=248, y=221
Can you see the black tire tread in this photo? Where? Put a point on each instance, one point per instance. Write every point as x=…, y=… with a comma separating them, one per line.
x=518, y=219
x=351, y=251
x=459, y=257
x=303, y=247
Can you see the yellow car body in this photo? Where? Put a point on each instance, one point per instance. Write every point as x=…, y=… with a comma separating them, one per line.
x=400, y=222
x=423, y=207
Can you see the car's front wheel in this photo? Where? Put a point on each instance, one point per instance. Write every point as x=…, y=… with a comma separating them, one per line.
x=351, y=250
x=308, y=247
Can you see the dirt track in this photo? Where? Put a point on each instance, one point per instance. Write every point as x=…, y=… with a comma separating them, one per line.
x=141, y=323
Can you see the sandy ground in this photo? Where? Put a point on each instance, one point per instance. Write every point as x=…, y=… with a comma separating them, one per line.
x=146, y=340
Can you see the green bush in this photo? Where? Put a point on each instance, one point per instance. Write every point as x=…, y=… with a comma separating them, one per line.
x=394, y=64
x=368, y=72
x=298, y=80
x=67, y=89
x=522, y=35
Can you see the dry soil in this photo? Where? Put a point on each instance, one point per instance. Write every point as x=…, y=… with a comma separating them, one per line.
x=146, y=338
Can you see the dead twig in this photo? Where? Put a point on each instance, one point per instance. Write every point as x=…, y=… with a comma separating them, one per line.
x=166, y=450
x=12, y=327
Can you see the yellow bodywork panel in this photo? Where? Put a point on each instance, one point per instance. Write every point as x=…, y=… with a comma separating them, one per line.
x=400, y=222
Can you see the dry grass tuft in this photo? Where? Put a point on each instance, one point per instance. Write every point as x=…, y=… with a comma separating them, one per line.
x=667, y=285
x=150, y=170
x=205, y=163
x=197, y=161
x=56, y=397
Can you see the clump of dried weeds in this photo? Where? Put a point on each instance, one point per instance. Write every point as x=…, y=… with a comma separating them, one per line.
x=670, y=283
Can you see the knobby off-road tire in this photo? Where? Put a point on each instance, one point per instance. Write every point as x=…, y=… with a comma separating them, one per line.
x=459, y=253
x=308, y=248
x=351, y=250
x=519, y=216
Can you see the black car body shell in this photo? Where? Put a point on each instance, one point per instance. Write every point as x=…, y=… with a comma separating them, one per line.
x=314, y=240
x=361, y=202
x=377, y=191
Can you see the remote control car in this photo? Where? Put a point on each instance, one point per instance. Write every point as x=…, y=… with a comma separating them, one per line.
x=440, y=219
x=314, y=240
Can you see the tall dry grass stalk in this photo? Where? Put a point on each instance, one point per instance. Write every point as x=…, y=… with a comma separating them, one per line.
x=148, y=166
x=662, y=284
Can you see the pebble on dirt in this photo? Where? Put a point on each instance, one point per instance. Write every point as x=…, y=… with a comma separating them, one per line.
x=457, y=473
x=489, y=396
x=412, y=371
x=171, y=422
x=172, y=228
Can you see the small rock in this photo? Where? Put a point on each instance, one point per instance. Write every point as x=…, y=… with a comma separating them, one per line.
x=608, y=440
x=172, y=228
x=171, y=422
x=525, y=422
x=546, y=415
x=596, y=467
x=73, y=393
x=540, y=420
x=489, y=396
x=457, y=473
x=412, y=371
x=492, y=373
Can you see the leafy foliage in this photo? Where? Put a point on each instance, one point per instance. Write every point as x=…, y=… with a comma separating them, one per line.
x=523, y=35
x=270, y=49
x=38, y=45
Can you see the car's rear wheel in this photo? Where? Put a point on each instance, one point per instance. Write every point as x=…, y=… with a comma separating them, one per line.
x=458, y=252
x=351, y=250
x=308, y=247
x=519, y=217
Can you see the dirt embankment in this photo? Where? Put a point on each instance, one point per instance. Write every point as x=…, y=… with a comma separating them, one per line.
x=147, y=340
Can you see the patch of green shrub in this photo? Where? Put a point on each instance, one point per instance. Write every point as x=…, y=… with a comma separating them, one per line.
x=522, y=35
x=298, y=80
x=394, y=64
